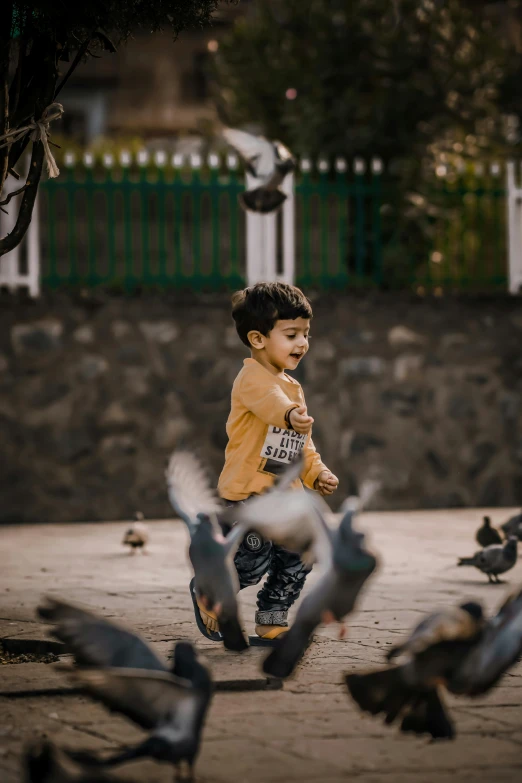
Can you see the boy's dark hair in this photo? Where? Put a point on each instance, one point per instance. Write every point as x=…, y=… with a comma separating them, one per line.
x=259, y=307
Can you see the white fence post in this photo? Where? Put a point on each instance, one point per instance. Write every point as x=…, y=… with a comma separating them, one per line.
x=514, y=202
x=11, y=275
x=262, y=235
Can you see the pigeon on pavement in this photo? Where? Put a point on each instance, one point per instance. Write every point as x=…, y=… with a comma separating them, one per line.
x=118, y=668
x=494, y=560
x=137, y=535
x=346, y=570
x=513, y=527
x=211, y=555
x=412, y=690
x=269, y=162
x=487, y=535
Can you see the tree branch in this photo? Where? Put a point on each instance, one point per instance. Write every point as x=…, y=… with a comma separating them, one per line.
x=46, y=73
x=14, y=91
x=11, y=195
x=26, y=207
x=79, y=54
x=6, y=16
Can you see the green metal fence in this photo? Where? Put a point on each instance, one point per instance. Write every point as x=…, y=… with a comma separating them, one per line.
x=177, y=223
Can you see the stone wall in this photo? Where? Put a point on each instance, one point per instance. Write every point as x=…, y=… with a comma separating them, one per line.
x=422, y=395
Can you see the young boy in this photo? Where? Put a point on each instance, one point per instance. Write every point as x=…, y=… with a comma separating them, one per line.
x=267, y=426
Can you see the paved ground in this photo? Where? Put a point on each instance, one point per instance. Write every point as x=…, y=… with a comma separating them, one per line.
x=309, y=730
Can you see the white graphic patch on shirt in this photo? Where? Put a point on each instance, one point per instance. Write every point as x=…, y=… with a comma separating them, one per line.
x=282, y=445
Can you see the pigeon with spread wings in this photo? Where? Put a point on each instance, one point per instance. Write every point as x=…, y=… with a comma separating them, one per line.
x=268, y=161
x=499, y=648
x=433, y=652
x=347, y=567
x=118, y=668
x=212, y=556
x=284, y=516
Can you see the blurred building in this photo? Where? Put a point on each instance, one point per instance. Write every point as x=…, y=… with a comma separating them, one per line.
x=153, y=87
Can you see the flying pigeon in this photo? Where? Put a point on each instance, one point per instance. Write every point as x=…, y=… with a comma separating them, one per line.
x=411, y=691
x=212, y=556
x=284, y=516
x=499, y=648
x=269, y=162
x=487, y=535
x=513, y=527
x=347, y=568
x=45, y=763
x=493, y=560
x=118, y=668
x=137, y=536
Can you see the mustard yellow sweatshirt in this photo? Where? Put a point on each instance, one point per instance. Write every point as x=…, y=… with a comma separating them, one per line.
x=260, y=444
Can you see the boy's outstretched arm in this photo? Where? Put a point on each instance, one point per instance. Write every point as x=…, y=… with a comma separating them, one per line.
x=315, y=474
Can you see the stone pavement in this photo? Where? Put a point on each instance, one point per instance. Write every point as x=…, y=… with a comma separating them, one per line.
x=307, y=731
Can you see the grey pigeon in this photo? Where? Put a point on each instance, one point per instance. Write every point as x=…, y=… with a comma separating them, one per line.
x=513, y=527
x=411, y=691
x=212, y=557
x=269, y=162
x=494, y=560
x=333, y=597
x=285, y=516
x=118, y=668
x=45, y=763
x=499, y=648
x=487, y=535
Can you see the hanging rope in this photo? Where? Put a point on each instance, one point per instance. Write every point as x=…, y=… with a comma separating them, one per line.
x=39, y=130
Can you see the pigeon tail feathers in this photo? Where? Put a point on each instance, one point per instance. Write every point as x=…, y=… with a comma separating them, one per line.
x=383, y=691
x=428, y=716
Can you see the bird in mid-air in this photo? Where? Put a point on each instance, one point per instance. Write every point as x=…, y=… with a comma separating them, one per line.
x=347, y=565
x=411, y=691
x=118, y=668
x=457, y=649
x=212, y=556
x=267, y=161
x=487, y=535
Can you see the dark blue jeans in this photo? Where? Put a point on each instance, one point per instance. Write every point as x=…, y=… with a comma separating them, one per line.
x=286, y=575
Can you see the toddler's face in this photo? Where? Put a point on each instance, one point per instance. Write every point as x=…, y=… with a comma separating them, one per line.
x=287, y=343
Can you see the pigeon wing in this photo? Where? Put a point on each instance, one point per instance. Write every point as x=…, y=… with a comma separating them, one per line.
x=147, y=698
x=290, y=519
x=451, y=625
x=490, y=557
x=189, y=488
x=499, y=648
x=96, y=641
x=256, y=151
x=291, y=473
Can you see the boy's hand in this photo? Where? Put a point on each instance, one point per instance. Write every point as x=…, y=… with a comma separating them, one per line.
x=326, y=483
x=300, y=420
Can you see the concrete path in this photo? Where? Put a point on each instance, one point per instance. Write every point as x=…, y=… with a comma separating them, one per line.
x=309, y=730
